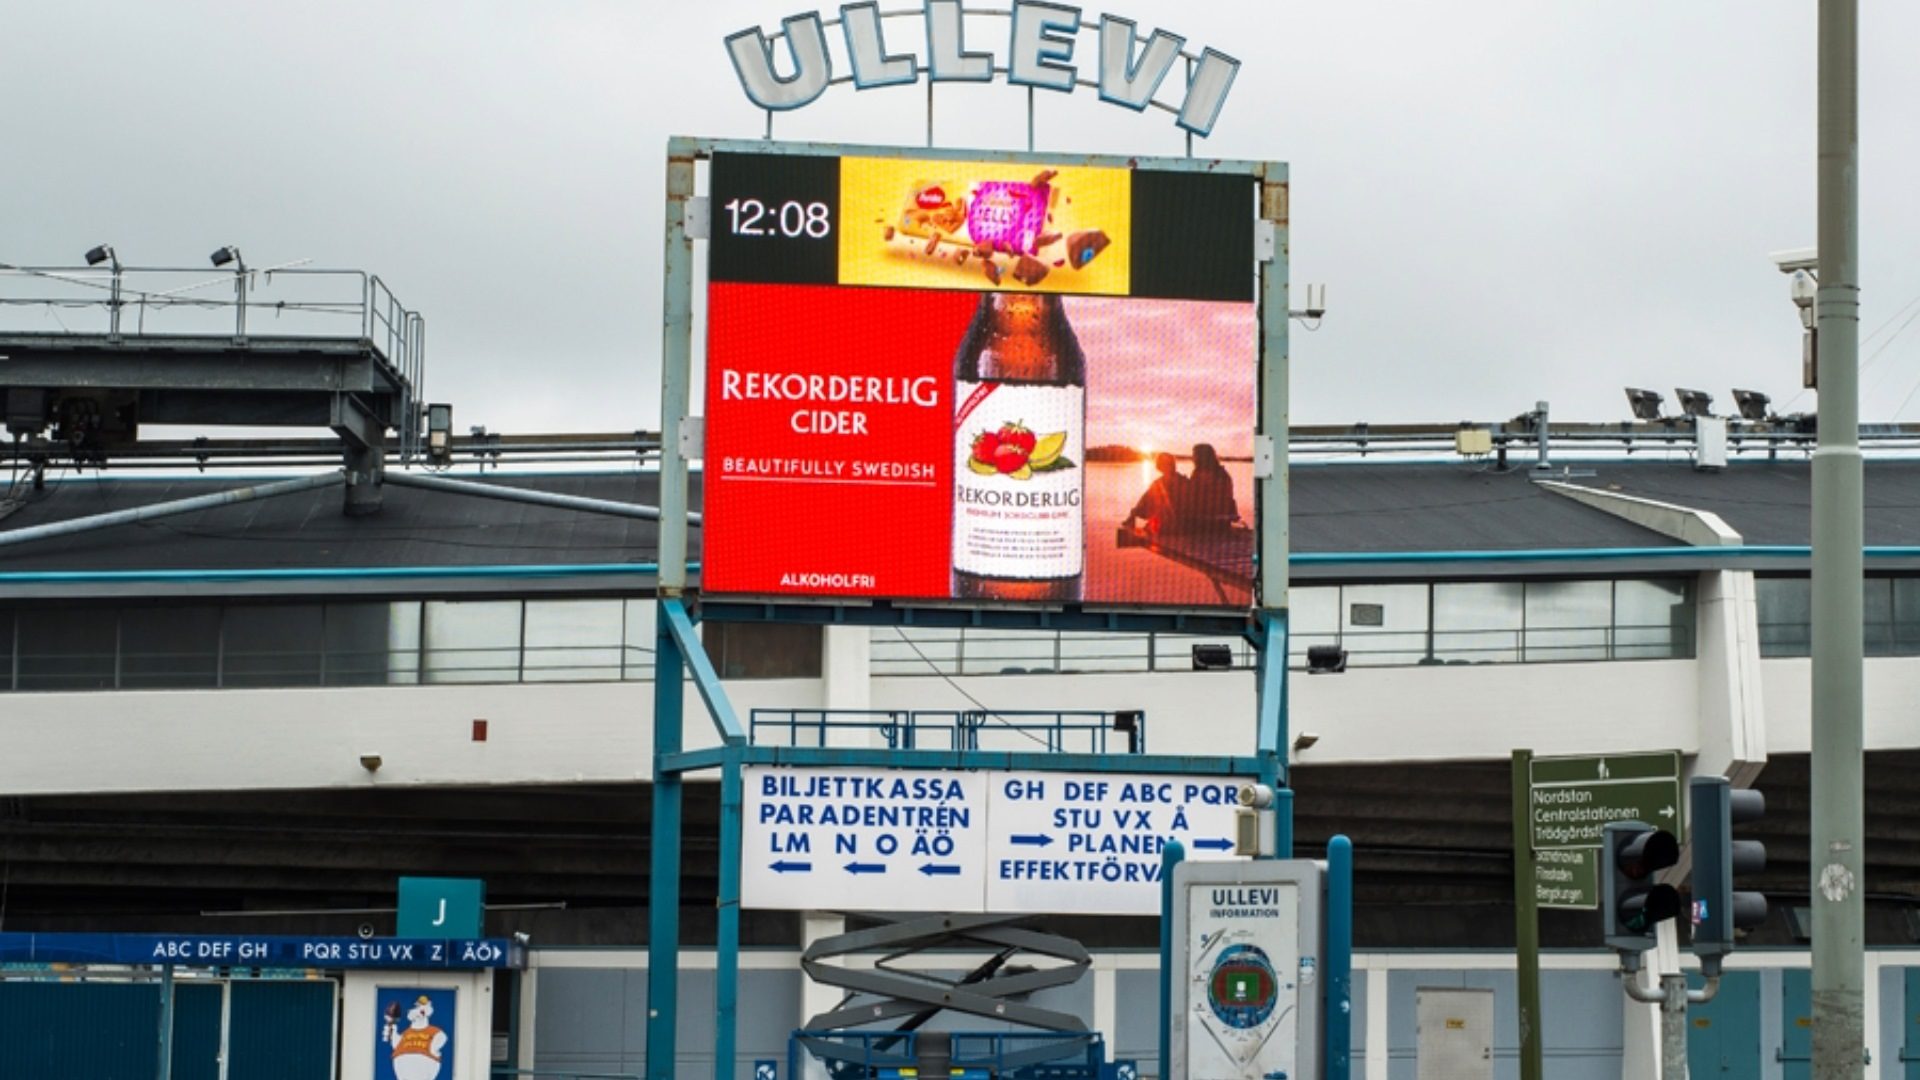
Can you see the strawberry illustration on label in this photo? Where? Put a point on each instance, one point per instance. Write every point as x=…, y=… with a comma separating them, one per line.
x=1015, y=451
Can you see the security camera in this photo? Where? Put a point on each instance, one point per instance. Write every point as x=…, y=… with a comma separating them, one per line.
x=1257, y=796
x=365, y=931
x=1796, y=259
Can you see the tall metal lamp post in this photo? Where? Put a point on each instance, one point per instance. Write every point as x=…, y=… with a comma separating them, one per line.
x=1838, y=826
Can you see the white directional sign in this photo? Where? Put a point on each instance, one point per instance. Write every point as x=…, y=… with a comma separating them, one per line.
x=894, y=840
x=863, y=839
x=1091, y=843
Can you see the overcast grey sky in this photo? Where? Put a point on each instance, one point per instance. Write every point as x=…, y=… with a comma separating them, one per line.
x=1508, y=201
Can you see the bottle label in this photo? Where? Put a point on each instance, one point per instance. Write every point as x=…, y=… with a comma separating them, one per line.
x=1019, y=475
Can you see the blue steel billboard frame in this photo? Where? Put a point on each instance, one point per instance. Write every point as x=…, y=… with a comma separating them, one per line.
x=679, y=652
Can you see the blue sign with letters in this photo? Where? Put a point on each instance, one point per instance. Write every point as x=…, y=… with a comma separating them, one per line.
x=261, y=950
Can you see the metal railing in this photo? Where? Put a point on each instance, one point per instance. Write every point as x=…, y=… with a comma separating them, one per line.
x=1057, y=1055
x=1058, y=731
x=507, y=1073
x=128, y=302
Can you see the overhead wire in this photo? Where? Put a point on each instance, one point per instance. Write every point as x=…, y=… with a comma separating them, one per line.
x=962, y=691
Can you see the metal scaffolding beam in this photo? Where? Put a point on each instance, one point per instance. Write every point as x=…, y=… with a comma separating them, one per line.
x=166, y=509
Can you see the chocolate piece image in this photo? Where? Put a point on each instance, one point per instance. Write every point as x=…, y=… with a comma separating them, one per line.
x=1083, y=246
x=1029, y=271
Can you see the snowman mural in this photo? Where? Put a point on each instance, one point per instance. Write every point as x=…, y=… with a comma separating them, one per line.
x=418, y=1049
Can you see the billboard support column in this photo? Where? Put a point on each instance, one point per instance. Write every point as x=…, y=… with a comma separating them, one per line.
x=676, y=368
x=663, y=879
x=1272, y=498
x=1274, y=406
x=1170, y=856
x=1270, y=740
x=726, y=981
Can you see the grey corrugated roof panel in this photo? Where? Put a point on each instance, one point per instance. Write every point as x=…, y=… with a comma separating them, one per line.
x=1771, y=502
x=1435, y=507
x=1363, y=508
x=414, y=528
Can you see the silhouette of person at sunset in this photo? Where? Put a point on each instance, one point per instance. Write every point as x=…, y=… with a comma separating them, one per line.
x=1208, y=492
x=1161, y=504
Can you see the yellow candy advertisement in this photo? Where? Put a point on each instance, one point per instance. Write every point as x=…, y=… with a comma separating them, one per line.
x=985, y=226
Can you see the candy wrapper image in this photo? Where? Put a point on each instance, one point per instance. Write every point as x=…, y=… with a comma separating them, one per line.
x=959, y=225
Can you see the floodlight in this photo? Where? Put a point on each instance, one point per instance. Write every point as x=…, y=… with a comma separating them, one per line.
x=101, y=253
x=225, y=255
x=439, y=430
x=1694, y=402
x=1128, y=722
x=1212, y=656
x=1803, y=286
x=1326, y=659
x=1646, y=403
x=1753, y=404
x=1796, y=259
x=1305, y=741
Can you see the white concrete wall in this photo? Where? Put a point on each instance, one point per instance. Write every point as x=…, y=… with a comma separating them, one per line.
x=1366, y=714
x=202, y=740
x=209, y=740
x=1892, y=717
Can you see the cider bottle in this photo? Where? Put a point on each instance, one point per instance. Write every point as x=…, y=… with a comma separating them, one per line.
x=1019, y=432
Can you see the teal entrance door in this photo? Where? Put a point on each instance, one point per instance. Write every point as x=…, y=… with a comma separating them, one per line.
x=1910, y=1025
x=1723, y=1035
x=283, y=1030
x=1796, y=1024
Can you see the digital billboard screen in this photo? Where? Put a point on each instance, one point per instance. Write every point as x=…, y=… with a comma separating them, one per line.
x=979, y=381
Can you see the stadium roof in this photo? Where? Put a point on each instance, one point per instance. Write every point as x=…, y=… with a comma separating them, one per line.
x=1368, y=520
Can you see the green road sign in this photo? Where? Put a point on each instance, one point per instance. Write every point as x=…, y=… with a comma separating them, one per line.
x=1567, y=878
x=1571, y=799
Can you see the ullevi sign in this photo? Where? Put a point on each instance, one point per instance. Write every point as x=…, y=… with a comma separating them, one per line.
x=1039, y=54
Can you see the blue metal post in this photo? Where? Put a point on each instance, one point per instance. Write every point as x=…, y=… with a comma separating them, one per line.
x=1271, y=739
x=1170, y=856
x=1339, y=1003
x=1283, y=823
x=726, y=979
x=163, y=1067
x=663, y=883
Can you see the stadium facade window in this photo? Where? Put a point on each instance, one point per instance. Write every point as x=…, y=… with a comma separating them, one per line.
x=1891, y=613
x=763, y=650
x=359, y=647
x=1568, y=620
x=471, y=641
x=272, y=645
x=1478, y=622
x=170, y=648
x=1651, y=617
x=573, y=640
x=157, y=646
x=67, y=648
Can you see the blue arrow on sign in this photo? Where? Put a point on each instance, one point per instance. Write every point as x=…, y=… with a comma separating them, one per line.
x=1214, y=845
x=783, y=866
x=930, y=869
x=866, y=868
x=1034, y=839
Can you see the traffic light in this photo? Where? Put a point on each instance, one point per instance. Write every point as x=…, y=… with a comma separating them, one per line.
x=1719, y=910
x=1631, y=904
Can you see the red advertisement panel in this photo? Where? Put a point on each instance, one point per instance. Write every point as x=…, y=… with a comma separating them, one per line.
x=920, y=444
x=829, y=422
